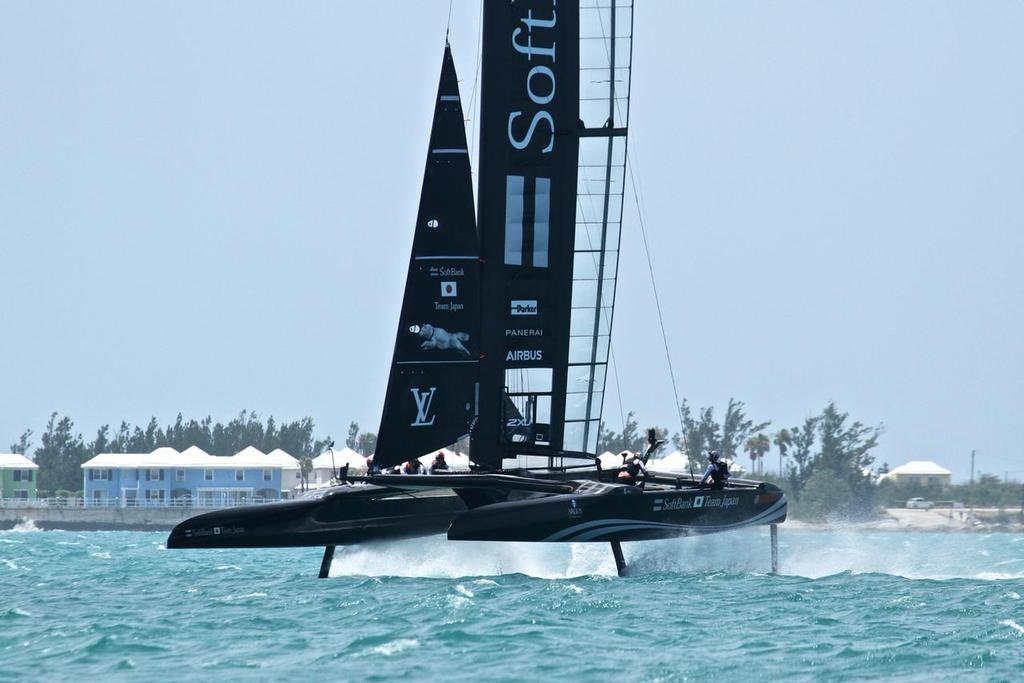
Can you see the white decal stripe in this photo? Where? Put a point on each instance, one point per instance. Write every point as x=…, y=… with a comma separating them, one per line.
x=514, y=220
x=541, y=213
x=565, y=534
x=449, y=98
x=449, y=150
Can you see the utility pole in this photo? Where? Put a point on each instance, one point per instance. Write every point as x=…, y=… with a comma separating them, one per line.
x=972, y=467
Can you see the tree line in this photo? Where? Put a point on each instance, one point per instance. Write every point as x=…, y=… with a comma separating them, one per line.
x=823, y=462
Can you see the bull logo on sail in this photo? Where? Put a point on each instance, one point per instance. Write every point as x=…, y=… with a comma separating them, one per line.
x=423, y=399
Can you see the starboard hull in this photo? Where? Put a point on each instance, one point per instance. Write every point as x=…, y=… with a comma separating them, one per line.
x=601, y=512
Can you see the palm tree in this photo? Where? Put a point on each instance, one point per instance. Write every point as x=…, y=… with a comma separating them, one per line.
x=305, y=468
x=756, y=447
x=783, y=439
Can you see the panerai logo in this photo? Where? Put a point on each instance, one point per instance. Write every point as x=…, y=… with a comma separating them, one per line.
x=524, y=355
x=574, y=509
x=524, y=307
x=423, y=400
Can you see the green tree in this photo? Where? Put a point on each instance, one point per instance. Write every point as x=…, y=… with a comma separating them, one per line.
x=783, y=440
x=756, y=448
x=60, y=456
x=23, y=444
x=352, y=440
x=631, y=438
x=366, y=444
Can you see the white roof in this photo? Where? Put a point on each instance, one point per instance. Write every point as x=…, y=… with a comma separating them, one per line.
x=287, y=461
x=16, y=461
x=673, y=462
x=342, y=457
x=192, y=457
x=918, y=467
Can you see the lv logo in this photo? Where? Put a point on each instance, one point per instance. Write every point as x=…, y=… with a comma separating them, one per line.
x=423, y=400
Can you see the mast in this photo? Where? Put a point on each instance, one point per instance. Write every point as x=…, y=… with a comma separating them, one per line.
x=431, y=400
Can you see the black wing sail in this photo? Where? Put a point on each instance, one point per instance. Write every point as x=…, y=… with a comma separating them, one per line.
x=528, y=158
x=431, y=399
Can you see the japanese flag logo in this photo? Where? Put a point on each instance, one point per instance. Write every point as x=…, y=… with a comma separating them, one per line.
x=449, y=289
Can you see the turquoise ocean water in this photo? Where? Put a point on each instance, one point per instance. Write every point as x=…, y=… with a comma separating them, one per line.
x=848, y=606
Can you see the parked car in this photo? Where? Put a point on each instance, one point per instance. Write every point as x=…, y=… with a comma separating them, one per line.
x=920, y=504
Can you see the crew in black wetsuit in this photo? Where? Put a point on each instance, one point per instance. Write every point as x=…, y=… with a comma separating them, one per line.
x=717, y=472
x=439, y=465
x=413, y=466
x=632, y=466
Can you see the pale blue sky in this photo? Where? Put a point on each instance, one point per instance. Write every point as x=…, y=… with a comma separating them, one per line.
x=206, y=207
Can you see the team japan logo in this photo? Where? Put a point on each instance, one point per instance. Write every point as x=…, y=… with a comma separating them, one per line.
x=423, y=399
x=449, y=288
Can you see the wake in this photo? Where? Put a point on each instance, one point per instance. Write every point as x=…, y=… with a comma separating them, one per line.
x=811, y=554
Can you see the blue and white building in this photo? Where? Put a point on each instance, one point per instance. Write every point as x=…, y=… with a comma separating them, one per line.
x=192, y=477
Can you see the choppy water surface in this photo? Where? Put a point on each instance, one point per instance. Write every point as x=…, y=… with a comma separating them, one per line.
x=858, y=605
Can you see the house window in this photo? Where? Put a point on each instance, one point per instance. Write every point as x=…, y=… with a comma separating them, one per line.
x=155, y=495
x=22, y=475
x=21, y=495
x=179, y=475
x=101, y=475
x=267, y=475
x=239, y=475
x=98, y=496
x=207, y=475
x=154, y=475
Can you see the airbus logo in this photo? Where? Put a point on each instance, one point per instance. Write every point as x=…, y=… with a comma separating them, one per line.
x=524, y=307
x=423, y=400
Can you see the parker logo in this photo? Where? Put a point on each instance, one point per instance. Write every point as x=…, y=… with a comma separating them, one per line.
x=423, y=400
x=449, y=288
x=524, y=307
x=525, y=355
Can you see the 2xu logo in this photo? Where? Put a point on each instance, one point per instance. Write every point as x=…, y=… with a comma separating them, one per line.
x=423, y=399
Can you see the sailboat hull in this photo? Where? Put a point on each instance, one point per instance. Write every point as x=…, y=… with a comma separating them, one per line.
x=342, y=515
x=609, y=512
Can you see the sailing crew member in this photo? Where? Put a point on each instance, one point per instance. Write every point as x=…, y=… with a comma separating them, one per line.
x=413, y=466
x=717, y=472
x=370, y=467
x=439, y=464
x=632, y=466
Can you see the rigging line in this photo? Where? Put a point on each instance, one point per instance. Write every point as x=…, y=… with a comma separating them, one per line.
x=476, y=82
x=657, y=300
x=448, y=27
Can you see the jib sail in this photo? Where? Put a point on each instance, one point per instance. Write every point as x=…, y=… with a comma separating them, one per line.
x=432, y=395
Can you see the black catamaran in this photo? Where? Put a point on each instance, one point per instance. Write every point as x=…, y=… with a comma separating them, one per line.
x=505, y=327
